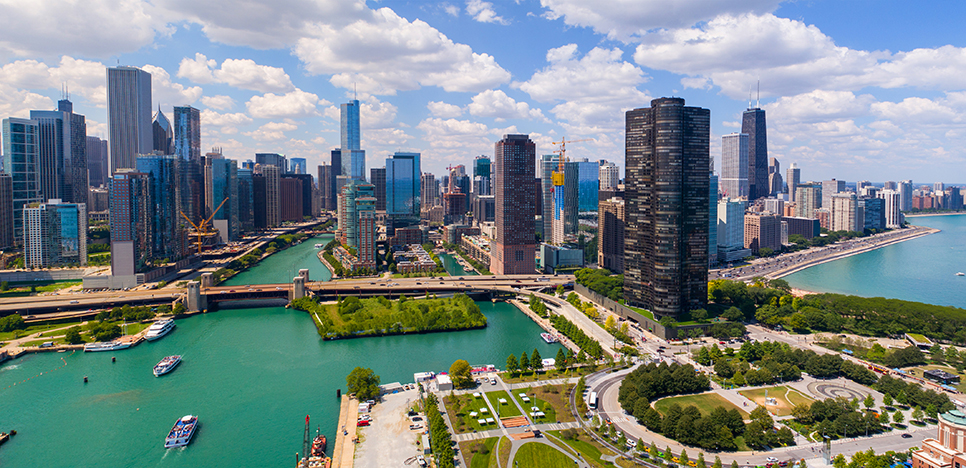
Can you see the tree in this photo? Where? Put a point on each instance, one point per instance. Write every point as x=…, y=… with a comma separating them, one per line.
x=734, y=464
x=717, y=462
x=884, y=418
x=364, y=383
x=73, y=336
x=931, y=411
x=701, y=461
x=524, y=361
x=461, y=373
x=668, y=322
x=937, y=353
x=898, y=417
x=699, y=315
x=536, y=362
x=869, y=402
x=610, y=323
x=902, y=398
x=917, y=414
x=839, y=461
x=733, y=314
x=684, y=457
x=887, y=400
x=560, y=362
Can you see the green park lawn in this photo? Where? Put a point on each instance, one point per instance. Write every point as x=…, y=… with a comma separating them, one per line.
x=479, y=453
x=537, y=455
x=705, y=402
x=589, y=449
x=554, y=395
x=786, y=398
x=506, y=410
x=460, y=414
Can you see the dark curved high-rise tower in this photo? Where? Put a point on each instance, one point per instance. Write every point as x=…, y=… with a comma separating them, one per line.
x=667, y=202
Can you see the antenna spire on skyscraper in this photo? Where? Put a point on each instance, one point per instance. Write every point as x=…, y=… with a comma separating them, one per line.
x=758, y=98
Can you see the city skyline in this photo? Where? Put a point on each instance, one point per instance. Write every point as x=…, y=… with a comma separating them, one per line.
x=837, y=89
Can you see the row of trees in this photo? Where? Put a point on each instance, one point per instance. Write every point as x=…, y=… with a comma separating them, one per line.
x=525, y=363
x=602, y=282
x=439, y=437
x=584, y=342
x=839, y=416
x=11, y=323
x=363, y=382
x=877, y=316
x=537, y=306
x=913, y=395
x=775, y=361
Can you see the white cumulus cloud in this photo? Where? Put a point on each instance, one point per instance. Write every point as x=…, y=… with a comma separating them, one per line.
x=295, y=104
x=483, y=12
x=443, y=109
x=495, y=103
x=239, y=73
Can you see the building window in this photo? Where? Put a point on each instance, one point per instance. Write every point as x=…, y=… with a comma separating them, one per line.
x=519, y=255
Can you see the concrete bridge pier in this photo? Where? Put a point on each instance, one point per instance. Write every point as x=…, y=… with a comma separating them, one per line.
x=298, y=287
x=207, y=280
x=196, y=301
x=304, y=273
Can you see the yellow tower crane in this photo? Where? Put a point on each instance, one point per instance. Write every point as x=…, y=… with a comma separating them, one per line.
x=558, y=176
x=202, y=229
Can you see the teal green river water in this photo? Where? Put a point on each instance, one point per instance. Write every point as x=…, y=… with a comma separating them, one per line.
x=922, y=270
x=251, y=375
x=453, y=267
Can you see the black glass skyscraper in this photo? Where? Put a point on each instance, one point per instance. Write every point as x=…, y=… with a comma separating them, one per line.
x=667, y=182
x=753, y=123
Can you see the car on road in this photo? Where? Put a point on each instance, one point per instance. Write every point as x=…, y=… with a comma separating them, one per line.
x=771, y=459
x=363, y=422
x=420, y=460
x=907, y=436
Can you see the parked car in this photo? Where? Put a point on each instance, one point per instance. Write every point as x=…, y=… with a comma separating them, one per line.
x=363, y=422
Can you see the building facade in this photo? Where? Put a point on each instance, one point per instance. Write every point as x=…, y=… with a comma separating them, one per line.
x=128, y=115
x=55, y=234
x=21, y=161
x=131, y=227
x=273, y=215
x=762, y=231
x=793, y=177
x=97, y=162
x=403, y=196
x=753, y=124
x=187, y=133
x=734, y=165
x=610, y=232
x=514, y=248
x=667, y=184
x=6, y=211
x=609, y=176
x=892, y=210
x=808, y=198
x=168, y=235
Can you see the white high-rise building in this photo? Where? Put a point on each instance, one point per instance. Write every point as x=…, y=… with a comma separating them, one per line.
x=847, y=215
x=128, y=115
x=734, y=165
x=893, y=213
x=905, y=195
x=829, y=188
x=609, y=176
x=55, y=234
x=731, y=230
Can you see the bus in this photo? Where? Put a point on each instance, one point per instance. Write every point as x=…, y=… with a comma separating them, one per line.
x=592, y=401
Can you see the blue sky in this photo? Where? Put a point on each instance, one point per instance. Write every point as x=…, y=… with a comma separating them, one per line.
x=856, y=90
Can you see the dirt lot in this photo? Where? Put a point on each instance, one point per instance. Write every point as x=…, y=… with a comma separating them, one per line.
x=388, y=441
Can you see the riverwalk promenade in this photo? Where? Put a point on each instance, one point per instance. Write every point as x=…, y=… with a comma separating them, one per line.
x=344, y=449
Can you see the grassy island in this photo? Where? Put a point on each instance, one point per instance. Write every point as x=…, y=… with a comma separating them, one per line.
x=352, y=317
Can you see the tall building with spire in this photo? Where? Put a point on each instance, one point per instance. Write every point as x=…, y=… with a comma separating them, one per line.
x=128, y=115
x=62, y=152
x=667, y=150
x=353, y=157
x=753, y=124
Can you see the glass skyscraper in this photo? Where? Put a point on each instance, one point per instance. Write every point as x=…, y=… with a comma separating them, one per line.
x=753, y=124
x=588, y=174
x=62, y=153
x=129, y=115
x=221, y=177
x=403, y=187
x=187, y=133
x=21, y=162
x=353, y=157
x=166, y=238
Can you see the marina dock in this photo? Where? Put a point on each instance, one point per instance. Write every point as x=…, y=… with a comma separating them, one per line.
x=344, y=450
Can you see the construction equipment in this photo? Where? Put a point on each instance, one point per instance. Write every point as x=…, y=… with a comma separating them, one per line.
x=558, y=176
x=202, y=229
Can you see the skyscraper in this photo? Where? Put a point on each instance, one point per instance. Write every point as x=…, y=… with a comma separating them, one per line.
x=167, y=237
x=609, y=176
x=775, y=182
x=129, y=115
x=162, y=133
x=221, y=184
x=298, y=166
x=513, y=250
x=326, y=187
x=97, y=162
x=793, y=177
x=610, y=246
x=55, y=234
x=905, y=195
x=846, y=213
x=62, y=150
x=713, y=219
x=892, y=211
x=377, y=177
x=549, y=163
x=428, y=190
x=753, y=123
x=272, y=159
x=667, y=184
x=273, y=215
x=353, y=157
x=402, y=186
x=588, y=185
x=734, y=165
x=131, y=246
x=808, y=198
x=481, y=166
x=829, y=188
x=21, y=161
x=187, y=133
x=6, y=211
x=246, y=214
